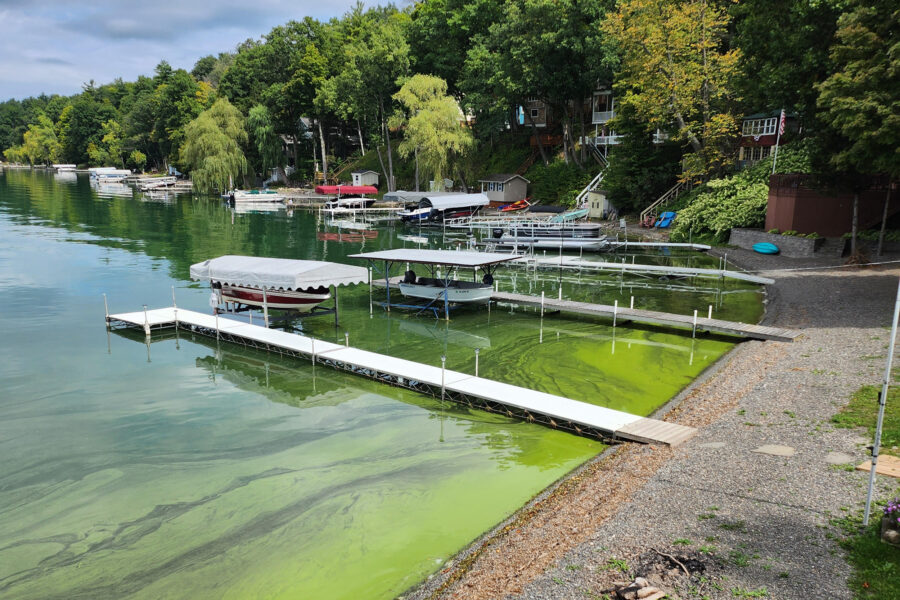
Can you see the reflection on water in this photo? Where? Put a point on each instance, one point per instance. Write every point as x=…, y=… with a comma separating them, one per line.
x=186, y=468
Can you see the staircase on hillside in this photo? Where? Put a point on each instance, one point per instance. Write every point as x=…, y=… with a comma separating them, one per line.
x=670, y=195
x=528, y=162
x=581, y=201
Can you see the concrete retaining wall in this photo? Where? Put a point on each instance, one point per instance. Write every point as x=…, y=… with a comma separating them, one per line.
x=790, y=246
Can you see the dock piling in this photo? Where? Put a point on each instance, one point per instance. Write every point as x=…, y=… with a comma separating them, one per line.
x=106, y=307
x=710, y=312
x=312, y=350
x=265, y=308
x=694, y=329
x=175, y=308
x=476, y=362
x=631, y=306
x=542, y=304
x=615, y=312
x=346, y=339
x=443, y=374
x=146, y=322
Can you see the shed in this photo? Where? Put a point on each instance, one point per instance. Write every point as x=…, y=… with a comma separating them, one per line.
x=503, y=188
x=368, y=177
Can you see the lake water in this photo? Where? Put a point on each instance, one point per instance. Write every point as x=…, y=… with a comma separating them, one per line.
x=187, y=469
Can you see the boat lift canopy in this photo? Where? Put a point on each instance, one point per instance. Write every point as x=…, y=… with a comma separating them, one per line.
x=280, y=274
x=343, y=190
x=447, y=202
x=452, y=259
x=277, y=273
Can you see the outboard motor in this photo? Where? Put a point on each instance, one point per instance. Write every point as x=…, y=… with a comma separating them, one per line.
x=497, y=232
x=488, y=279
x=409, y=277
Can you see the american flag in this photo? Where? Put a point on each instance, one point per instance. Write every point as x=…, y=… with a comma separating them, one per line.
x=781, y=123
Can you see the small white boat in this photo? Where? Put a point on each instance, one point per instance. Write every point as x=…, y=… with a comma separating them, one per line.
x=415, y=214
x=255, y=196
x=64, y=167
x=298, y=300
x=352, y=202
x=110, y=174
x=458, y=292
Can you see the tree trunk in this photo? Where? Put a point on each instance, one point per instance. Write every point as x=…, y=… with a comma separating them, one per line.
x=462, y=180
x=315, y=162
x=884, y=217
x=296, y=147
x=381, y=160
x=387, y=138
x=583, y=139
x=362, y=145
x=324, y=154
x=417, y=168
x=855, y=223
x=537, y=137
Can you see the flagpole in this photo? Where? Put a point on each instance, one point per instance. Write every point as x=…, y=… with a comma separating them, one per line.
x=777, y=140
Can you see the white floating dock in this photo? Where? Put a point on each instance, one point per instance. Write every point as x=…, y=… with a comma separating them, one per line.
x=555, y=411
x=669, y=271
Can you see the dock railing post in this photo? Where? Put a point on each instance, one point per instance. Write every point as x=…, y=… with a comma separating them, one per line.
x=560, y=291
x=217, y=325
x=370, y=291
x=346, y=339
x=146, y=322
x=710, y=312
x=631, y=306
x=312, y=350
x=443, y=370
x=476, y=362
x=615, y=312
x=106, y=308
x=542, y=304
x=694, y=332
x=175, y=308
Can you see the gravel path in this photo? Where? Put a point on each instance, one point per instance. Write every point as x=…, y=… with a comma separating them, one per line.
x=742, y=521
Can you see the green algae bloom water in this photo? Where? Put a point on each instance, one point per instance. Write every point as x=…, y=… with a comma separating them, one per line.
x=183, y=468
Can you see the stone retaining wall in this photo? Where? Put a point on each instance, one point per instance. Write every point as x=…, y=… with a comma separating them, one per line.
x=790, y=246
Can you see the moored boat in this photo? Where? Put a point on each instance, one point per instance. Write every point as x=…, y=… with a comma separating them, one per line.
x=299, y=300
x=255, y=196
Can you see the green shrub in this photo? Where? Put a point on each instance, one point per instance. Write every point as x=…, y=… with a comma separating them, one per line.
x=790, y=232
x=775, y=231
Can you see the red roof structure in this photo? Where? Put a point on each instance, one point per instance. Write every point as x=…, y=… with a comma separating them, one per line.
x=344, y=190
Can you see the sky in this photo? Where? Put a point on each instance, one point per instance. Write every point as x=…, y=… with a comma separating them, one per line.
x=55, y=46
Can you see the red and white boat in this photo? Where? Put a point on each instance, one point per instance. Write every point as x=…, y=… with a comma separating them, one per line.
x=275, y=283
x=299, y=300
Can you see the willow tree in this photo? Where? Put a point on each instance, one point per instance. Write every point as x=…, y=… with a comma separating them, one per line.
x=266, y=141
x=434, y=128
x=677, y=73
x=212, y=147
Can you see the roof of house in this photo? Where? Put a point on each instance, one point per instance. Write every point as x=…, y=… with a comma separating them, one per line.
x=364, y=172
x=502, y=178
x=770, y=114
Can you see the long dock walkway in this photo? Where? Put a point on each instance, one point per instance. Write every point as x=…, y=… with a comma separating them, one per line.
x=548, y=409
x=650, y=317
x=658, y=270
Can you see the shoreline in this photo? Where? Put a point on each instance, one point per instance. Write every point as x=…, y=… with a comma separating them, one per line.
x=529, y=546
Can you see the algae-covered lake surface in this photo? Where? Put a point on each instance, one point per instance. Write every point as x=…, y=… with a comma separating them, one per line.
x=186, y=469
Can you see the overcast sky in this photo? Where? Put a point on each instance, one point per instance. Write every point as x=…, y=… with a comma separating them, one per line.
x=54, y=46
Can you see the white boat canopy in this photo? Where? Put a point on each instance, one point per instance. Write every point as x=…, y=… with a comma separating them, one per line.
x=404, y=197
x=438, y=257
x=454, y=201
x=277, y=273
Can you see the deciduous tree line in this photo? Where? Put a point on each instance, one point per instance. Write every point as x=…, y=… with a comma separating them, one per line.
x=431, y=81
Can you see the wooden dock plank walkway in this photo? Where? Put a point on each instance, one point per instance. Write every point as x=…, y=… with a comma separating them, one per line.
x=532, y=405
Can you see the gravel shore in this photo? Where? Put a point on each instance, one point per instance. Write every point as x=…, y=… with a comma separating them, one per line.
x=746, y=505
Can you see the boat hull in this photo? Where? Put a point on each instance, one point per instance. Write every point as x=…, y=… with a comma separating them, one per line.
x=299, y=300
x=455, y=295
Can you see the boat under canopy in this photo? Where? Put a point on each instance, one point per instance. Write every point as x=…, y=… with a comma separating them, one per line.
x=277, y=273
x=340, y=190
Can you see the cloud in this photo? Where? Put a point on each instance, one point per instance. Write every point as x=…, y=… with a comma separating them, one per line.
x=56, y=45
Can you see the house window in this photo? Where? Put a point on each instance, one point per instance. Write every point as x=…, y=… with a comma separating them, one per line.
x=602, y=102
x=758, y=127
x=534, y=113
x=499, y=187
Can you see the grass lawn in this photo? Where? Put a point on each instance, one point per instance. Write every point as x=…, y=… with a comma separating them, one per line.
x=876, y=566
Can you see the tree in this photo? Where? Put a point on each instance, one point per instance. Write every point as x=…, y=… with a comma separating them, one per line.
x=212, y=147
x=109, y=149
x=434, y=131
x=138, y=160
x=675, y=68
x=859, y=101
x=266, y=141
x=204, y=67
x=80, y=124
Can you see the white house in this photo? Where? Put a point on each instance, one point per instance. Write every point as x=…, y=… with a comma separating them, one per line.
x=365, y=178
x=504, y=188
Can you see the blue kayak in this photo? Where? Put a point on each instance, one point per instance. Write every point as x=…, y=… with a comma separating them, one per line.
x=765, y=248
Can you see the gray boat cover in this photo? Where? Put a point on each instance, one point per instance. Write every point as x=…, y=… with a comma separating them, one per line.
x=277, y=273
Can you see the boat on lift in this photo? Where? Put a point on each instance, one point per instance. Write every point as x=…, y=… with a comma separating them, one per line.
x=236, y=196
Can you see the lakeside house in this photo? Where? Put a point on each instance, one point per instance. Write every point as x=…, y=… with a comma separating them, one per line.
x=504, y=188
x=367, y=177
x=759, y=133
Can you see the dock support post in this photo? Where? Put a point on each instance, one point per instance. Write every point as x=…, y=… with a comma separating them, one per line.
x=312, y=350
x=542, y=304
x=560, y=291
x=175, y=308
x=217, y=325
x=370, y=291
x=631, y=306
x=476, y=362
x=336, y=306
x=615, y=312
x=146, y=322
x=694, y=332
x=265, y=308
x=346, y=339
x=710, y=312
x=443, y=369
x=106, y=308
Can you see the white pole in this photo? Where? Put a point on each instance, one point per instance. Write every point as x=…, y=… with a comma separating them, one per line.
x=476, y=362
x=542, y=304
x=346, y=339
x=560, y=291
x=146, y=321
x=777, y=140
x=175, y=307
x=312, y=350
x=443, y=368
x=105, y=307
x=694, y=332
x=632, y=303
x=710, y=312
x=217, y=324
x=615, y=312
x=882, y=399
x=265, y=308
